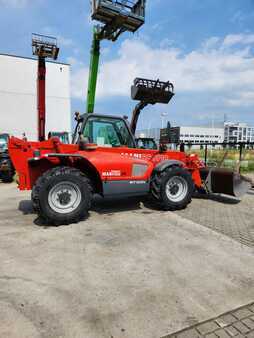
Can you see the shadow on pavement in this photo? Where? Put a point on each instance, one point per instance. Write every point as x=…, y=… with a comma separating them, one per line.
x=218, y=198
x=112, y=205
x=26, y=207
x=109, y=206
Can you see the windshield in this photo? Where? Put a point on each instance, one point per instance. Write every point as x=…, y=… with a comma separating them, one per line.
x=108, y=132
x=3, y=142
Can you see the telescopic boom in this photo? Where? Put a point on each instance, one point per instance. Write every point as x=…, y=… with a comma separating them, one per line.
x=116, y=17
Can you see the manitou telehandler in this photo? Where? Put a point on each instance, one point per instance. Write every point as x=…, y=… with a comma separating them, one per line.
x=104, y=158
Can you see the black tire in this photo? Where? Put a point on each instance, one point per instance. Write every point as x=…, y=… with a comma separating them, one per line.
x=159, y=188
x=7, y=176
x=42, y=192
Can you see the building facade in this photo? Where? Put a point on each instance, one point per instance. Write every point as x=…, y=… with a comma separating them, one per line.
x=190, y=134
x=238, y=132
x=18, y=97
x=201, y=135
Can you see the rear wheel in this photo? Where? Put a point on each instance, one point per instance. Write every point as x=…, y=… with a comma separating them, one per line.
x=62, y=196
x=173, y=188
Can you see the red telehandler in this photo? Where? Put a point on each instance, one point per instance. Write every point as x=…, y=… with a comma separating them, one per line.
x=104, y=158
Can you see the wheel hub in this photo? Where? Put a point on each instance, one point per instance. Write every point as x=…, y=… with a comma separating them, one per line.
x=64, y=197
x=176, y=189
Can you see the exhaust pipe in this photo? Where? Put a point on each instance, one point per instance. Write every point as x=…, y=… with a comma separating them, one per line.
x=225, y=181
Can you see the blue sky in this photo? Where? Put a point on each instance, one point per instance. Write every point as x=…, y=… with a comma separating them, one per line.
x=206, y=48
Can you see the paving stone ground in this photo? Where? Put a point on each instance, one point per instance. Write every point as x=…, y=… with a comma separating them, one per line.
x=238, y=323
x=226, y=215
x=55, y=276
x=235, y=219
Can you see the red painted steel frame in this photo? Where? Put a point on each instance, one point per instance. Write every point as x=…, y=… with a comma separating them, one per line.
x=108, y=163
x=41, y=98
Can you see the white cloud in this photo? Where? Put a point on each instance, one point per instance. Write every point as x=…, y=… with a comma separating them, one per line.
x=211, y=42
x=79, y=81
x=15, y=3
x=234, y=39
x=215, y=68
x=244, y=99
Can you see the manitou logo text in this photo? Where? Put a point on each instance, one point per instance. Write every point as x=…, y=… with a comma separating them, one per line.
x=112, y=173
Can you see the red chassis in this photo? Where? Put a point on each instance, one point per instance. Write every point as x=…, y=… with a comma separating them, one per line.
x=32, y=159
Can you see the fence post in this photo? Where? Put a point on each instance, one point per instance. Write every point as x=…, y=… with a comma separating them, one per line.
x=240, y=156
x=206, y=151
x=182, y=147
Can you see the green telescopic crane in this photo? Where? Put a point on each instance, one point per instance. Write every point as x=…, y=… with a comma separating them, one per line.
x=93, y=71
x=116, y=17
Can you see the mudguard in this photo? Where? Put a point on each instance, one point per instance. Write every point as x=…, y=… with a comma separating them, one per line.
x=167, y=164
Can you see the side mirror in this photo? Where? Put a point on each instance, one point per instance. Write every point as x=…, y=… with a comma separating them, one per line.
x=83, y=141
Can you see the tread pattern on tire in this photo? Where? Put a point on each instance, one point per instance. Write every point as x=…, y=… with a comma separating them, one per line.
x=156, y=183
x=42, y=180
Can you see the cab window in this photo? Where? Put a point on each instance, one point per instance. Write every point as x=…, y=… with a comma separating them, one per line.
x=108, y=132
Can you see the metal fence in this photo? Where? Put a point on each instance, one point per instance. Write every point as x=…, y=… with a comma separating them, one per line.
x=238, y=156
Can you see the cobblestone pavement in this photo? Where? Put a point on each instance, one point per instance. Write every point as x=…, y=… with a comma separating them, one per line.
x=237, y=323
x=251, y=176
x=226, y=215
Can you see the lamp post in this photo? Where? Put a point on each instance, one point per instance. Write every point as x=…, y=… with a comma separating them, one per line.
x=163, y=115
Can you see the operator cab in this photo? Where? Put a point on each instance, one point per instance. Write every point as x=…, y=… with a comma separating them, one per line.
x=104, y=131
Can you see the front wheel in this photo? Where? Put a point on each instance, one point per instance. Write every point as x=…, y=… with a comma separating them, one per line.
x=62, y=196
x=173, y=188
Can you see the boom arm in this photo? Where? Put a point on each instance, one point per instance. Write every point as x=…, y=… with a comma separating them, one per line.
x=41, y=98
x=93, y=72
x=116, y=18
x=135, y=115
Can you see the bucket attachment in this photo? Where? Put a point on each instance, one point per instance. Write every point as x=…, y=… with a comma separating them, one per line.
x=127, y=14
x=225, y=181
x=151, y=91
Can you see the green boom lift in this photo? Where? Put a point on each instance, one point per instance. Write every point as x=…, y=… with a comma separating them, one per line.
x=116, y=17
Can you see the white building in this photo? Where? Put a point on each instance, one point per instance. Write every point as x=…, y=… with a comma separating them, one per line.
x=201, y=135
x=18, y=96
x=190, y=134
x=238, y=132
